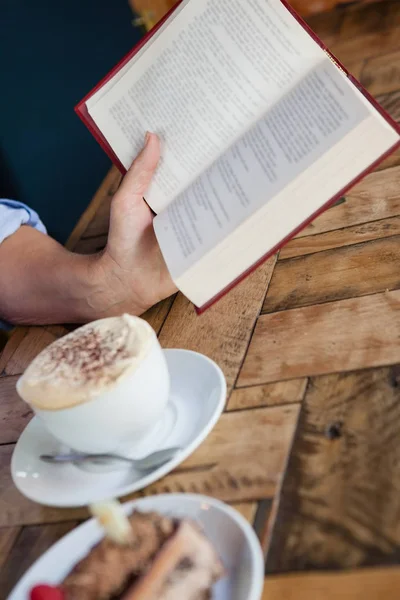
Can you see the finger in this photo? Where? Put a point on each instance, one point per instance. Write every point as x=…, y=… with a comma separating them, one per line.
x=139, y=176
x=130, y=215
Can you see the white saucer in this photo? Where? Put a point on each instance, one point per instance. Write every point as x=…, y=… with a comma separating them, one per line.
x=198, y=393
x=233, y=538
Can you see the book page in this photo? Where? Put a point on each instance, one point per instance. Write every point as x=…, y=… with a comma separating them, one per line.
x=94, y=98
x=212, y=73
x=279, y=218
x=305, y=124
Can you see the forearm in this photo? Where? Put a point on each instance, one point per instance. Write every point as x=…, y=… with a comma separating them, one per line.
x=41, y=282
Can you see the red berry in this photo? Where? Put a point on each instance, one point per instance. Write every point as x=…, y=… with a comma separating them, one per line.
x=46, y=592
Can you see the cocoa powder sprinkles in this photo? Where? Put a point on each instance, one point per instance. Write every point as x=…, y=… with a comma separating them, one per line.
x=87, y=356
x=85, y=362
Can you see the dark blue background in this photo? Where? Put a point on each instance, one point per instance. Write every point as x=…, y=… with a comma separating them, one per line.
x=52, y=52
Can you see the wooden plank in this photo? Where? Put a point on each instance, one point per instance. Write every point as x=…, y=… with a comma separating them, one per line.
x=341, y=237
x=30, y=545
x=364, y=20
x=247, y=510
x=364, y=35
x=151, y=12
x=336, y=274
x=271, y=394
x=381, y=74
x=262, y=439
x=14, y=341
x=224, y=331
x=8, y=535
x=106, y=190
x=364, y=584
x=3, y=340
x=392, y=14
x=157, y=314
x=233, y=483
x=355, y=68
x=14, y=414
x=17, y=510
x=391, y=103
x=376, y=197
x=337, y=336
x=391, y=161
x=101, y=220
x=267, y=431
x=326, y=25
x=339, y=503
x=33, y=342
x=246, y=466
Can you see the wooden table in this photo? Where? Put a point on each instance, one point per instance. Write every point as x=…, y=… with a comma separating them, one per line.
x=151, y=11
x=308, y=448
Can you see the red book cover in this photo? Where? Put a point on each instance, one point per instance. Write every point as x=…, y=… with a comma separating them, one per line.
x=82, y=112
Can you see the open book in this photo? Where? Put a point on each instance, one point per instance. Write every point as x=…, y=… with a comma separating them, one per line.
x=261, y=130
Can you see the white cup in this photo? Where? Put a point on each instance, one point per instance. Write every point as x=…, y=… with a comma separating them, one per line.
x=122, y=415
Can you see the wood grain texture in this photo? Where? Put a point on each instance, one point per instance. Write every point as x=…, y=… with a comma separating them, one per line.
x=235, y=483
x=14, y=341
x=376, y=197
x=31, y=543
x=363, y=584
x=346, y=272
x=337, y=336
x=14, y=414
x=391, y=161
x=364, y=20
x=247, y=510
x=327, y=24
x=348, y=236
x=241, y=467
x=151, y=12
x=391, y=103
x=282, y=392
x=157, y=314
x=222, y=332
x=381, y=74
x=8, y=535
x=364, y=34
x=339, y=505
x=3, y=340
x=99, y=225
x=262, y=437
x=343, y=509
x=35, y=340
x=392, y=14
x=258, y=432
x=107, y=189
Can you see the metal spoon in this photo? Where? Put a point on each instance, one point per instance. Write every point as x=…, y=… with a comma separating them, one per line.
x=152, y=461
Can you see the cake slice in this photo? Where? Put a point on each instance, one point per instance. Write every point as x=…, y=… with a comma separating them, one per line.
x=158, y=558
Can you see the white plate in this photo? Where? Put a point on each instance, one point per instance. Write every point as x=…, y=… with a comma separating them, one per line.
x=233, y=538
x=198, y=393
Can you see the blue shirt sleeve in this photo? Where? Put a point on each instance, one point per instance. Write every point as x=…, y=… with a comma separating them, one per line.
x=14, y=214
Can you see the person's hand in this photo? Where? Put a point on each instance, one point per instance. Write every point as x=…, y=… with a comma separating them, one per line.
x=42, y=282
x=131, y=274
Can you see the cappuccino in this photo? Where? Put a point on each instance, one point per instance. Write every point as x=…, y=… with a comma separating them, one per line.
x=85, y=363
x=100, y=387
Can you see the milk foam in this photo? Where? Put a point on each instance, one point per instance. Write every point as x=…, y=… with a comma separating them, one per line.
x=85, y=363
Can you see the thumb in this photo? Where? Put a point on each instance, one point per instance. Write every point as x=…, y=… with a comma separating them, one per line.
x=129, y=213
x=138, y=178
